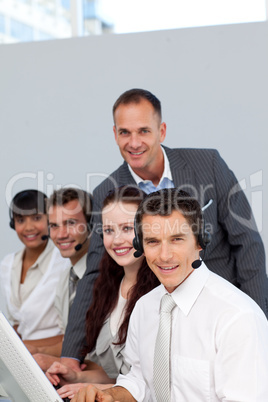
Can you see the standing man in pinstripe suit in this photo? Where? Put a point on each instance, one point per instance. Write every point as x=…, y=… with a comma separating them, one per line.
x=236, y=252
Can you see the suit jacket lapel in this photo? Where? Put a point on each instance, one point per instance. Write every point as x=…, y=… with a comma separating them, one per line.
x=183, y=176
x=125, y=176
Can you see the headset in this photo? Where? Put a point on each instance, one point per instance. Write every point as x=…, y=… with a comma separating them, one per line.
x=80, y=245
x=204, y=239
x=137, y=243
x=24, y=195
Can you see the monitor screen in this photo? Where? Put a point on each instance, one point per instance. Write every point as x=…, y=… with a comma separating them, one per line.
x=20, y=376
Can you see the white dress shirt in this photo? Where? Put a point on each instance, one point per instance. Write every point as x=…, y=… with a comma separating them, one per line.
x=62, y=300
x=31, y=305
x=166, y=180
x=21, y=291
x=219, y=343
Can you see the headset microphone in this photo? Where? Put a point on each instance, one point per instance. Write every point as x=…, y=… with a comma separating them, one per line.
x=80, y=245
x=196, y=264
x=137, y=254
x=45, y=237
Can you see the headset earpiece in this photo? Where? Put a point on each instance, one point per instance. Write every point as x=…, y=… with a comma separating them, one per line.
x=204, y=237
x=11, y=217
x=12, y=223
x=137, y=243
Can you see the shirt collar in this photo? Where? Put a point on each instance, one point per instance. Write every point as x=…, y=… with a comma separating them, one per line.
x=187, y=293
x=43, y=255
x=166, y=173
x=80, y=267
x=40, y=259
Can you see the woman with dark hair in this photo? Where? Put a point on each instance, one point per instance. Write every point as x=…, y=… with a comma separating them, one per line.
x=28, y=278
x=123, y=279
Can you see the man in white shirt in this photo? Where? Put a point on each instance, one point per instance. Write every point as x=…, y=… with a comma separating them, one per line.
x=69, y=216
x=218, y=335
x=236, y=251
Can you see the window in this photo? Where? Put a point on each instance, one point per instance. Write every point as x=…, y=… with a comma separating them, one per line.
x=2, y=24
x=48, y=19
x=21, y=31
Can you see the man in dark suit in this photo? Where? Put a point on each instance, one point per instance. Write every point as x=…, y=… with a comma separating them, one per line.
x=236, y=252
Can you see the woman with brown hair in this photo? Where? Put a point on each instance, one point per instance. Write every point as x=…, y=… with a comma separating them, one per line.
x=123, y=279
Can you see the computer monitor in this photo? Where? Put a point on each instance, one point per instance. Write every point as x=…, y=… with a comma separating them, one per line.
x=20, y=376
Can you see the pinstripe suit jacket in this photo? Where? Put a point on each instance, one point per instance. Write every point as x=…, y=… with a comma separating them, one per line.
x=236, y=252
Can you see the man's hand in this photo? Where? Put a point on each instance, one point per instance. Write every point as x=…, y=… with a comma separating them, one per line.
x=69, y=390
x=59, y=374
x=72, y=363
x=92, y=394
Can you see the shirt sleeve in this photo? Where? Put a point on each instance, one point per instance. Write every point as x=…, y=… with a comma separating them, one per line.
x=133, y=381
x=241, y=365
x=5, y=288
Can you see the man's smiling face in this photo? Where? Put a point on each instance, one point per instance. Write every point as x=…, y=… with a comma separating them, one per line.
x=68, y=228
x=170, y=247
x=138, y=133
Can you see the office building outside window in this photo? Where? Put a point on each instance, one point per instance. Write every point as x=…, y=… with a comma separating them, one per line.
x=31, y=20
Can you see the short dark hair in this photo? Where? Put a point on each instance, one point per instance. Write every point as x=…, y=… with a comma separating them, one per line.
x=164, y=202
x=64, y=195
x=136, y=95
x=28, y=202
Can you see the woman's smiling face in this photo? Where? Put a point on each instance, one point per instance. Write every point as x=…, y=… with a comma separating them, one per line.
x=118, y=233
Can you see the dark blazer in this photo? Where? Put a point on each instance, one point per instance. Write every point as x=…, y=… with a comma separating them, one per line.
x=236, y=252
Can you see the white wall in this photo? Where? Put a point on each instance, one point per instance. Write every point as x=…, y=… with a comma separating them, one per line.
x=56, y=99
